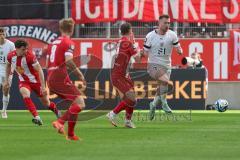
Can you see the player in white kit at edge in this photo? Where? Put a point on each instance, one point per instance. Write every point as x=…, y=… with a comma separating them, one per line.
x=6, y=46
x=158, y=47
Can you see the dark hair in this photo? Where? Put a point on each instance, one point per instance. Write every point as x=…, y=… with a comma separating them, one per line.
x=20, y=43
x=2, y=30
x=164, y=16
x=125, y=28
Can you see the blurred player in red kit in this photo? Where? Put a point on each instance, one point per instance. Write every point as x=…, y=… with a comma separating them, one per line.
x=60, y=58
x=31, y=78
x=120, y=78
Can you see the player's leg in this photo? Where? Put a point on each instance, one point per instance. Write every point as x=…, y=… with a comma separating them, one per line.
x=70, y=116
x=130, y=100
x=5, y=98
x=25, y=91
x=3, y=113
x=71, y=93
x=77, y=106
x=118, y=84
x=45, y=100
x=51, y=105
x=36, y=87
x=124, y=87
x=162, y=75
x=164, y=85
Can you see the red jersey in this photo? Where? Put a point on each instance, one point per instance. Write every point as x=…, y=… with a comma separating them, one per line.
x=23, y=65
x=57, y=51
x=126, y=50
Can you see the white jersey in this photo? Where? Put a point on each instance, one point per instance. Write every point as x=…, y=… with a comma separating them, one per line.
x=6, y=48
x=160, y=47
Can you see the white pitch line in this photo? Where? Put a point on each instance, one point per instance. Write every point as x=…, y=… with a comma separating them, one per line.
x=142, y=111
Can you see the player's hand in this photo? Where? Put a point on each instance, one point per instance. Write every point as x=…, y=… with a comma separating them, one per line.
x=83, y=85
x=180, y=50
x=44, y=91
x=141, y=52
x=132, y=37
x=82, y=79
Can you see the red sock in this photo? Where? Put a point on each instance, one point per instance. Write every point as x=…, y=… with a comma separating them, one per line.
x=64, y=117
x=30, y=105
x=129, y=112
x=73, y=117
x=121, y=106
x=52, y=106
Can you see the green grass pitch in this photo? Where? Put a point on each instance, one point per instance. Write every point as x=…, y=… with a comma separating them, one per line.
x=208, y=135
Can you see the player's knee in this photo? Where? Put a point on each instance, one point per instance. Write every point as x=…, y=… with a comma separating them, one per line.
x=158, y=91
x=25, y=92
x=163, y=89
x=130, y=102
x=163, y=82
x=5, y=91
x=130, y=95
x=25, y=95
x=80, y=101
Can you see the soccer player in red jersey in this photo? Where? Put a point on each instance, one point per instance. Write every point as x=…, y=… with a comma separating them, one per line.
x=31, y=78
x=120, y=78
x=60, y=58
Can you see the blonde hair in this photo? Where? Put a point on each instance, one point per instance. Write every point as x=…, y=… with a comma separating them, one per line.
x=66, y=25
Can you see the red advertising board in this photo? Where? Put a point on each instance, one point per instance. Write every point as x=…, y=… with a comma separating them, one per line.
x=217, y=55
x=220, y=56
x=37, y=32
x=235, y=42
x=214, y=11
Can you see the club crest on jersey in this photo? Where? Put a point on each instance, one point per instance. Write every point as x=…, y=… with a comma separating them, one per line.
x=20, y=70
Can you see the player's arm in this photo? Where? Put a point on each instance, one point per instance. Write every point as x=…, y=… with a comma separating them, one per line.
x=141, y=53
x=177, y=45
x=71, y=64
x=47, y=58
x=12, y=48
x=39, y=70
x=146, y=46
x=135, y=52
x=72, y=67
x=178, y=48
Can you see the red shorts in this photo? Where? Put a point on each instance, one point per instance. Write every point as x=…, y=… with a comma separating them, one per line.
x=123, y=84
x=36, y=87
x=64, y=88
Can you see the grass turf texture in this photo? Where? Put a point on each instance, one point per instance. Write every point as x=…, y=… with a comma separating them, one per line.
x=206, y=136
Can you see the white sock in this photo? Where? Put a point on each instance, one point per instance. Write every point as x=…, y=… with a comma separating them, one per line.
x=156, y=101
x=5, y=100
x=164, y=100
x=37, y=117
x=112, y=113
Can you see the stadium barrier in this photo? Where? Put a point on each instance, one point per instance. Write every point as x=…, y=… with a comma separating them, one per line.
x=189, y=90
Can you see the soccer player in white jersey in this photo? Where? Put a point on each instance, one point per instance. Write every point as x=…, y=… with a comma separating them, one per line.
x=6, y=47
x=158, y=46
